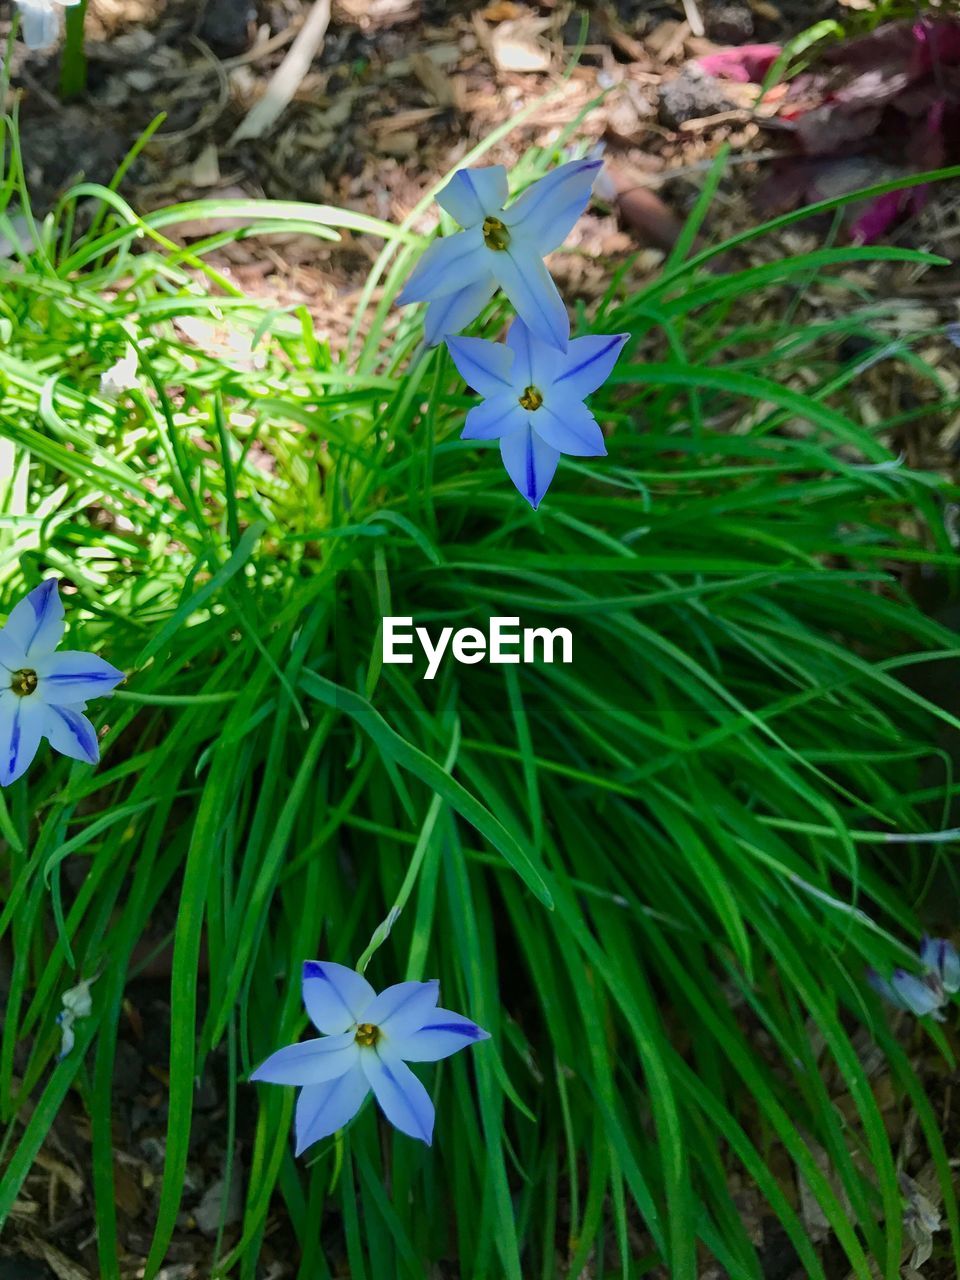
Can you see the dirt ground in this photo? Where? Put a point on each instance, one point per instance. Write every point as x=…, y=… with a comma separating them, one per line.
x=398, y=92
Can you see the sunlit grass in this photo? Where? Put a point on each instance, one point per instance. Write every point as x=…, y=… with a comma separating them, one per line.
x=655, y=875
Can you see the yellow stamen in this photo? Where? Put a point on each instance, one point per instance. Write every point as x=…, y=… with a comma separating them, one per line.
x=367, y=1035
x=23, y=682
x=495, y=234
x=532, y=398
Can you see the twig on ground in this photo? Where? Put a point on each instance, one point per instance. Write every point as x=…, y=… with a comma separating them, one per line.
x=692, y=15
x=287, y=77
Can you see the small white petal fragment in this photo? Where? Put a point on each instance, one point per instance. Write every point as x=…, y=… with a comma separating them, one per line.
x=40, y=21
x=77, y=1003
x=121, y=376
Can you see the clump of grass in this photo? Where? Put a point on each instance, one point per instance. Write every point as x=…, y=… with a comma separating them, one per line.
x=655, y=876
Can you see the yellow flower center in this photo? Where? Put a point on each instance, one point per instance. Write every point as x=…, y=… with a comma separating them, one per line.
x=495, y=234
x=532, y=398
x=23, y=682
x=367, y=1035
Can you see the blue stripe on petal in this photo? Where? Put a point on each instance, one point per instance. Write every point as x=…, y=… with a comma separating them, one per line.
x=401, y=1009
x=533, y=293
x=72, y=676
x=546, y=212
x=530, y=462
x=335, y=996
x=44, y=601
x=93, y=677
x=72, y=734
x=20, y=732
x=445, y=1034
x=14, y=742
x=914, y=992
x=402, y=1097
x=35, y=625
x=591, y=360
x=322, y=1109
x=572, y=429
x=472, y=1032
x=310, y=1061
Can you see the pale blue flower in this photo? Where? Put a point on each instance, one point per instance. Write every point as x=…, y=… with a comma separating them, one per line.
x=926, y=994
x=42, y=693
x=367, y=1041
x=534, y=400
x=40, y=21
x=77, y=1003
x=501, y=248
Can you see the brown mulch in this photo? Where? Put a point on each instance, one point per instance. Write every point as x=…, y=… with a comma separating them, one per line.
x=397, y=95
x=399, y=92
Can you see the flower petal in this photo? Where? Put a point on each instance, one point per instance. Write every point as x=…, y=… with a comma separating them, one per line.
x=72, y=676
x=589, y=362
x=483, y=365
x=940, y=957
x=547, y=211
x=571, y=428
x=445, y=1033
x=530, y=462
x=22, y=724
x=322, y=1109
x=335, y=997
x=39, y=24
x=402, y=1097
x=12, y=657
x=455, y=311
x=530, y=287
x=471, y=194
x=71, y=733
x=950, y=968
x=400, y=1009
x=914, y=992
x=446, y=266
x=536, y=362
x=311, y=1061
x=35, y=625
x=500, y=416
x=883, y=988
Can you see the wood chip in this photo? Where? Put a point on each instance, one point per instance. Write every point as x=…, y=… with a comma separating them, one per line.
x=517, y=45
x=436, y=82
x=205, y=170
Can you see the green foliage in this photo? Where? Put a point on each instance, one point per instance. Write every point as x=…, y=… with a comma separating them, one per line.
x=73, y=64
x=655, y=876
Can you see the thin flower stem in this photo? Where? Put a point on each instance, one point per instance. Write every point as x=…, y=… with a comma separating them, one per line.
x=382, y=931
